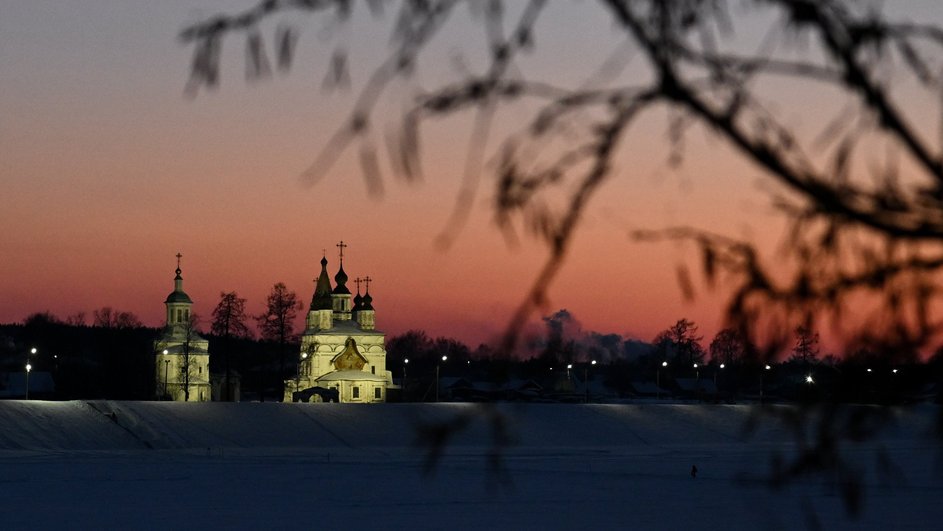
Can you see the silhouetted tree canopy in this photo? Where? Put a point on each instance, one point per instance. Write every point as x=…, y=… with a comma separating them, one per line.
x=861, y=187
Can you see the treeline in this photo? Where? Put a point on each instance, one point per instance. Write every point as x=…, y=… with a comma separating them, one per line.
x=114, y=359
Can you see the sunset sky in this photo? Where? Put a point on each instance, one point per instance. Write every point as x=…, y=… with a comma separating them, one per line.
x=108, y=170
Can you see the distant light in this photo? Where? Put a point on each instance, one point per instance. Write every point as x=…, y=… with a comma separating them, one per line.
x=444, y=358
x=808, y=379
x=722, y=365
x=894, y=371
x=29, y=367
x=32, y=350
x=594, y=362
x=695, y=365
x=468, y=362
x=569, y=365
x=768, y=367
x=869, y=369
x=165, y=352
x=406, y=360
x=664, y=364
x=304, y=355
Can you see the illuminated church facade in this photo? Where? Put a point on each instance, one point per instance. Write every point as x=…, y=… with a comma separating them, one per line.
x=343, y=355
x=182, y=356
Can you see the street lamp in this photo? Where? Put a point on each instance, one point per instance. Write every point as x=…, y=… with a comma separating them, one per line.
x=658, y=380
x=437, y=365
x=809, y=379
x=586, y=379
x=28, y=368
x=765, y=368
x=405, y=363
x=304, y=356
x=715, y=377
x=166, y=368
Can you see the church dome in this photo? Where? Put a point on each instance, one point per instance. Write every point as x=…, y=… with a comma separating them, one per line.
x=341, y=279
x=367, y=302
x=178, y=295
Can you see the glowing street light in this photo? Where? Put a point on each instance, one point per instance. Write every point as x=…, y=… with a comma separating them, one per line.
x=765, y=368
x=809, y=379
x=304, y=356
x=28, y=369
x=166, y=369
x=437, y=365
x=715, y=376
x=405, y=363
x=664, y=364
x=586, y=379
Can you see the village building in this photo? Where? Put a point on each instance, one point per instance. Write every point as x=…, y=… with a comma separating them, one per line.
x=182, y=358
x=343, y=355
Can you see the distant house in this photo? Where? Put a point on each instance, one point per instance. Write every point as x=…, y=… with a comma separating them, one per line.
x=649, y=390
x=695, y=388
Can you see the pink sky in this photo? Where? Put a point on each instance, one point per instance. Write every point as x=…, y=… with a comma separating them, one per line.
x=108, y=171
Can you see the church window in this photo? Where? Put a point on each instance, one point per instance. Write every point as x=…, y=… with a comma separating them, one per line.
x=373, y=369
x=356, y=392
x=186, y=315
x=179, y=315
x=377, y=393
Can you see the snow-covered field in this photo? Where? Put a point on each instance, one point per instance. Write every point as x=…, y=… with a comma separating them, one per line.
x=153, y=465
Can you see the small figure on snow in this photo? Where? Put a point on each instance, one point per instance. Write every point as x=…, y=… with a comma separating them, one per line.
x=693, y=471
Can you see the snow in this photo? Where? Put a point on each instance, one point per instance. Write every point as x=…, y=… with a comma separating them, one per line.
x=163, y=465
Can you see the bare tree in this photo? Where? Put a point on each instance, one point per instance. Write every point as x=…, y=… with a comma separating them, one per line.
x=727, y=347
x=863, y=197
x=276, y=324
x=187, y=359
x=107, y=317
x=229, y=321
x=806, y=349
x=681, y=343
x=76, y=319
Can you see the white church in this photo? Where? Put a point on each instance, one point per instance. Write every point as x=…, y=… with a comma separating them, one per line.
x=343, y=355
x=182, y=370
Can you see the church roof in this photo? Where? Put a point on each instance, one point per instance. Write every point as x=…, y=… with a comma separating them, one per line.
x=351, y=375
x=344, y=328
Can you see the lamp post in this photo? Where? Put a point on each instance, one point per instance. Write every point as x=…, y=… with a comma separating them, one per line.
x=405, y=363
x=715, y=375
x=697, y=382
x=586, y=379
x=166, y=369
x=304, y=356
x=437, y=365
x=765, y=368
x=658, y=380
x=28, y=369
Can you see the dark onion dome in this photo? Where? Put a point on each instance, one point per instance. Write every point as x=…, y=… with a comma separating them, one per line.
x=321, y=300
x=367, y=302
x=341, y=279
x=358, y=301
x=178, y=295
